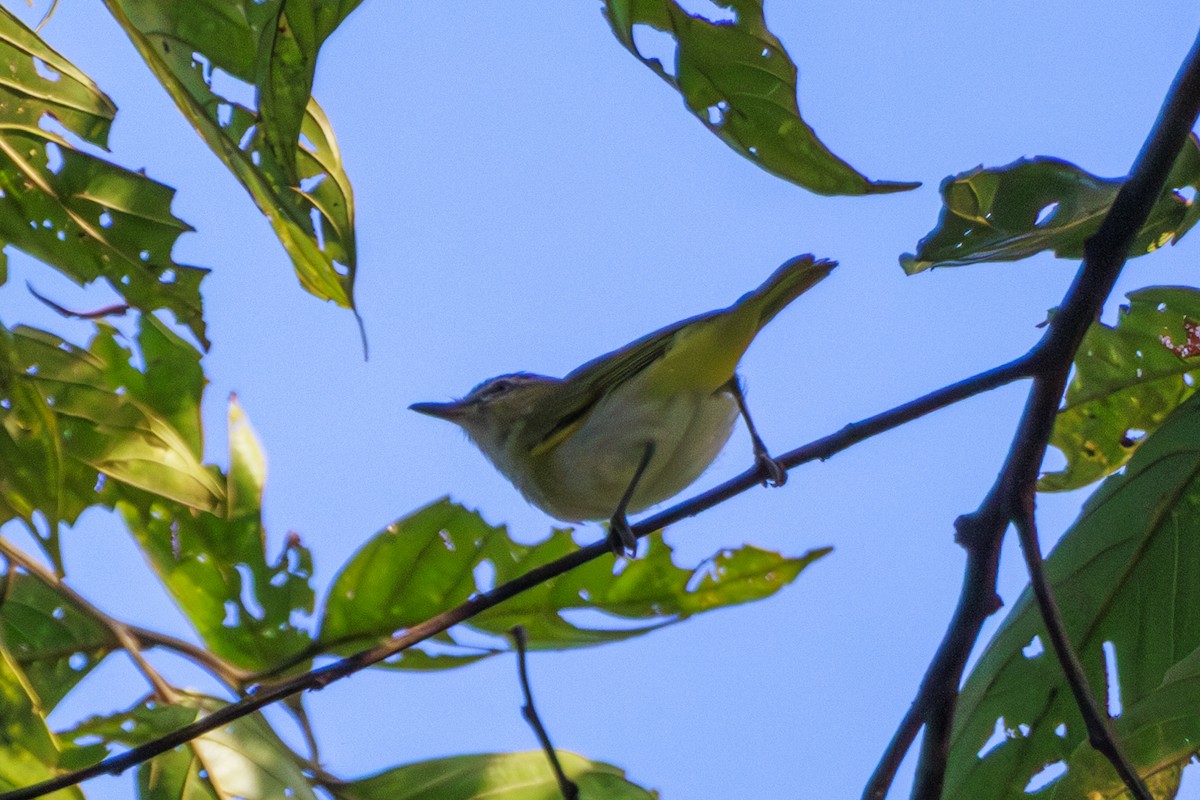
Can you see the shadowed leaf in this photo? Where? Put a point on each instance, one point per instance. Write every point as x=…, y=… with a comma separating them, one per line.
x=1128, y=378
x=52, y=640
x=242, y=75
x=83, y=215
x=29, y=751
x=738, y=80
x=495, y=776
x=1123, y=574
x=1032, y=205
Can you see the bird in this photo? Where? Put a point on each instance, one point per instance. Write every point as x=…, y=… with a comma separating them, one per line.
x=634, y=427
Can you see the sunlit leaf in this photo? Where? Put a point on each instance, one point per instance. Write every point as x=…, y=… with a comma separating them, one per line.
x=69, y=415
x=248, y=610
x=494, y=776
x=1032, y=205
x=244, y=759
x=443, y=554
x=242, y=75
x=1128, y=378
x=55, y=643
x=738, y=80
x=29, y=752
x=83, y=215
x=1123, y=574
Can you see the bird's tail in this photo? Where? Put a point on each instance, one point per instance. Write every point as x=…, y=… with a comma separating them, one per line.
x=791, y=280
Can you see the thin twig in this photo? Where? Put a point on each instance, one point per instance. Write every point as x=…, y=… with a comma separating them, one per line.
x=981, y=532
x=266, y=694
x=120, y=632
x=117, y=310
x=1096, y=720
x=567, y=786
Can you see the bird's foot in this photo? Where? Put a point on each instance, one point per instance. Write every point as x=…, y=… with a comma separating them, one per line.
x=776, y=475
x=620, y=537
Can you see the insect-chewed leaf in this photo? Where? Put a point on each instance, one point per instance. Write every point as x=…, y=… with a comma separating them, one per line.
x=242, y=74
x=1032, y=205
x=443, y=554
x=85, y=216
x=243, y=759
x=247, y=609
x=736, y=77
x=69, y=415
x=29, y=751
x=1124, y=575
x=50, y=638
x=495, y=776
x=1128, y=378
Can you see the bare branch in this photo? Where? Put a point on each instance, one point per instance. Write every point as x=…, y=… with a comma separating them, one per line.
x=1099, y=728
x=568, y=788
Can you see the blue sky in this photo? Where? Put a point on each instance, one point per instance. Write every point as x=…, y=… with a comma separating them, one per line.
x=529, y=196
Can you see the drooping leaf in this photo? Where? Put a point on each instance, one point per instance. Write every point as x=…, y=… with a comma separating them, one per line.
x=1123, y=574
x=1032, y=205
x=247, y=609
x=53, y=641
x=29, y=751
x=275, y=140
x=494, y=776
x=83, y=215
x=244, y=759
x=1128, y=378
x=739, y=81
x=441, y=555
x=69, y=415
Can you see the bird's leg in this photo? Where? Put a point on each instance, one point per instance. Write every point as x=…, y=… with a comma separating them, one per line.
x=776, y=474
x=620, y=535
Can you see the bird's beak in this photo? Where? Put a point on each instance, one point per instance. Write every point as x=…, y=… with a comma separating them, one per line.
x=452, y=412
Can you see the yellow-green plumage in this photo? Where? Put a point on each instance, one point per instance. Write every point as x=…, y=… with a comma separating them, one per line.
x=573, y=445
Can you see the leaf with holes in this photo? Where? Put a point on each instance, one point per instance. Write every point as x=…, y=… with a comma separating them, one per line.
x=29, y=751
x=244, y=759
x=1161, y=729
x=69, y=415
x=496, y=776
x=738, y=80
x=1128, y=378
x=1124, y=575
x=247, y=610
x=85, y=216
x=443, y=554
x=242, y=75
x=53, y=641
x=1032, y=205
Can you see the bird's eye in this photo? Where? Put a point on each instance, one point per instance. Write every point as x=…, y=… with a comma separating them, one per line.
x=496, y=388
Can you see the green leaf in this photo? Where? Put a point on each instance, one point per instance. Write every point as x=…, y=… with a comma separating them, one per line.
x=245, y=608
x=495, y=776
x=283, y=151
x=83, y=215
x=54, y=642
x=740, y=83
x=1123, y=574
x=29, y=752
x=244, y=759
x=443, y=554
x=1163, y=728
x=68, y=415
x=1016, y=211
x=1128, y=378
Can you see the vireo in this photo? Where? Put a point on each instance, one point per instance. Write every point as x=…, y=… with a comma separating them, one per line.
x=635, y=426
